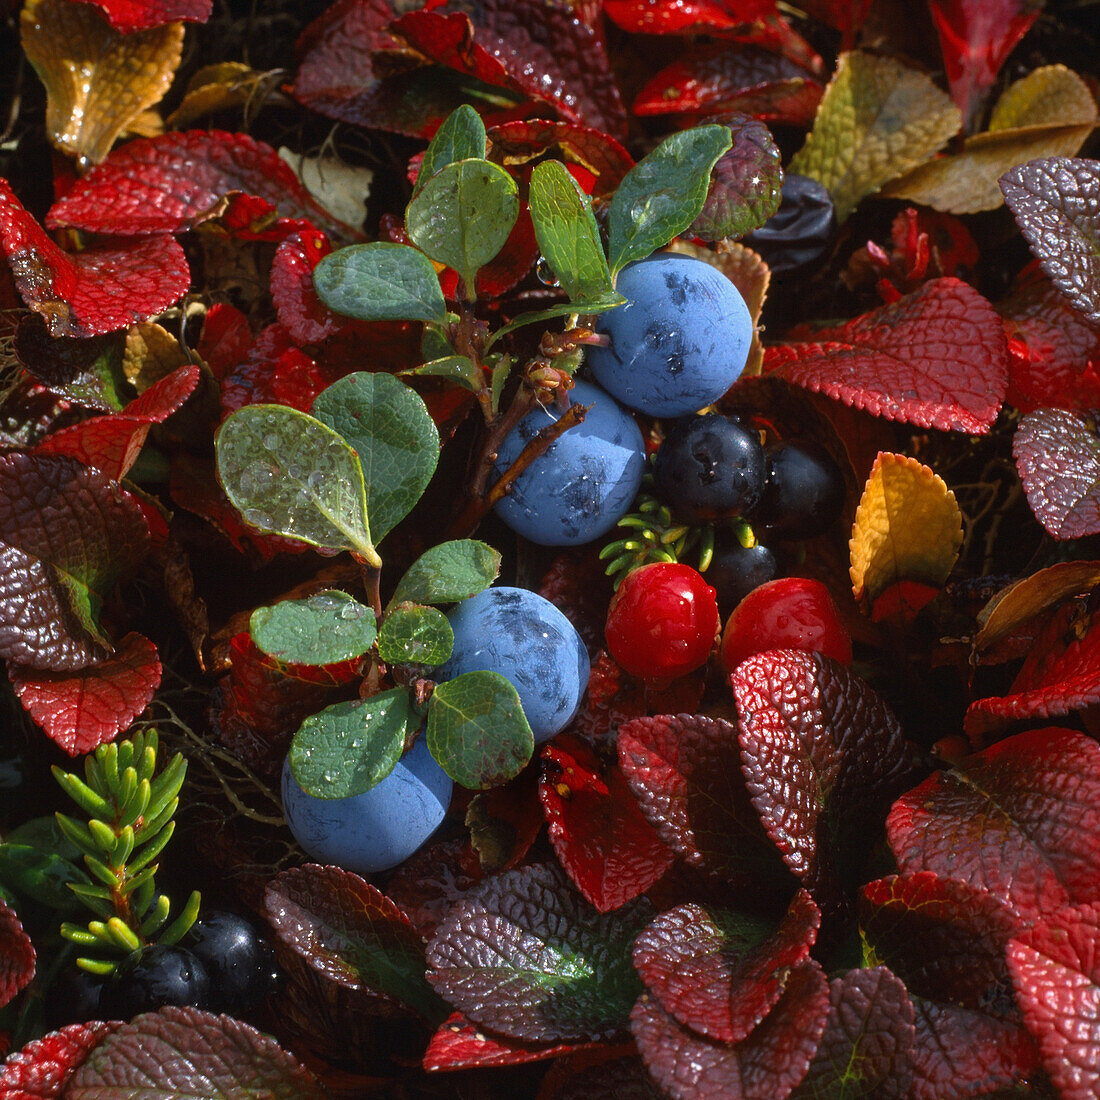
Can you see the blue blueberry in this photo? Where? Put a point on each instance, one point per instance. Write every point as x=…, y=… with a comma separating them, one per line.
x=679, y=342
x=584, y=482
x=375, y=830
x=531, y=644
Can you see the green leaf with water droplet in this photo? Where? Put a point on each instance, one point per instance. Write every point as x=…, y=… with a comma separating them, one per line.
x=289, y=474
x=414, y=634
x=391, y=431
x=460, y=137
x=380, y=281
x=463, y=216
x=568, y=235
x=663, y=193
x=322, y=629
x=477, y=730
x=349, y=747
x=448, y=572
x=456, y=368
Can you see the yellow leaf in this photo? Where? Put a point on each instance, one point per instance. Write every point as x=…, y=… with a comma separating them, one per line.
x=151, y=353
x=218, y=87
x=97, y=80
x=877, y=120
x=907, y=527
x=1049, y=113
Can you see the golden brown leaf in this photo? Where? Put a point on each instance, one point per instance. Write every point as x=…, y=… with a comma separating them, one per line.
x=213, y=88
x=151, y=353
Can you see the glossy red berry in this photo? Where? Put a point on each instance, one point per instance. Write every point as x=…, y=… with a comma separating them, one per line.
x=662, y=622
x=788, y=613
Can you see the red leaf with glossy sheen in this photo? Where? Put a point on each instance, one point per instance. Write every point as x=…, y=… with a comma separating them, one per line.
x=39, y=1071
x=1057, y=454
x=85, y=709
x=609, y=849
x=823, y=757
x=304, y=316
x=168, y=183
x=685, y=771
x=685, y=16
x=764, y=1066
x=867, y=1039
x=128, y=16
x=275, y=370
x=1021, y=818
x=1055, y=968
x=720, y=972
x=936, y=358
x=16, y=954
x=98, y=290
x=112, y=443
x=460, y=1044
x=225, y=340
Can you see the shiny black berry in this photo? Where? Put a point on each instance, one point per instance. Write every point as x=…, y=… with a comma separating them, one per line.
x=73, y=998
x=153, y=977
x=709, y=467
x=805, y=490
x=735, y=571
x=801, y=231
x=240, y=964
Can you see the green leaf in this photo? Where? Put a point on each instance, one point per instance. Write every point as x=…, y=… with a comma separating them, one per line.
x=477, y=730
x=380, y=281
x=566, y=230
x=394, y=436
x=663, y=193
x=289, y=474
x=502, y=368
x=448, y=572
x=463, y=216
x=434, y=344
x=455, y=368
x=415, y=635
x=460, y=137
x=349, y=747
x=41, y=875
x=611, y=300
x=322, y=629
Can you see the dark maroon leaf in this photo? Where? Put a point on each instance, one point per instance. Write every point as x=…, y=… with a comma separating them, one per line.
x=505, y=821
x=1055, y=968
x=186, y=1052
x=16, y=954
x=67, y=535
x=1056, y=204
x=428, y=883
x=84, y=709
x=86, y=371
x=98, y=290
x=823, y=757
x=1057, y=453
x=459, y=1044
x=685, y=16
x=605, y=843
x=720, y=972
x=525, y=955
x=865, y=1048
x=936, y=358
x=686, y=773
x=577, y=585
x=39, y=1071
x=128, y=16
x=612, y=1078
x=352, y=933
x=1021, y=819
x=765, y=1066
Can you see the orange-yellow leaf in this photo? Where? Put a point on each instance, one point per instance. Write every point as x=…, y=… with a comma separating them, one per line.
x=97, y=79
x=908, y=527
x=151, y=353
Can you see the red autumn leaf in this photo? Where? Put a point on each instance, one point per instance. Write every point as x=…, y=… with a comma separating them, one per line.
x=275, y=370
x=748, y=79
x=505, y=821
x=98, y=290
x=225, y=340
x=304, y=316
x=936, y=358
x=169, y=183
x=1057, y=454
x=609, y=849
x=720, y=972
x=845, y=16
x=765, y=1065
x=128, y=16
x=823, y=757
x=1055, y=968
x=16, y=954
x=112, y=443
x=85, y=709
x=40, y=1070
x=976, y=37
x=460, y=1044
x=685, y=771
x=251, y=218
x=429, y=882
x=1021, y=819
x=685, y=16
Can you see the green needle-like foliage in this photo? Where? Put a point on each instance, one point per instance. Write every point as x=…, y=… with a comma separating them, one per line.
x=130, y=809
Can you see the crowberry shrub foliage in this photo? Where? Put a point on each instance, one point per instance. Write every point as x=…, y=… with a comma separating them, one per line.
x=553, y=548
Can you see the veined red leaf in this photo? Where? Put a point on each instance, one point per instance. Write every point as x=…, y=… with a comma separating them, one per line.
x=298, y=308
x=460, y=1044
x=685, y=16
x=936, y=358
x=225, y=340
x=98, y=290
x=40, y=1070
x=429, y=882
x=139, y=15
x=16, y=955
